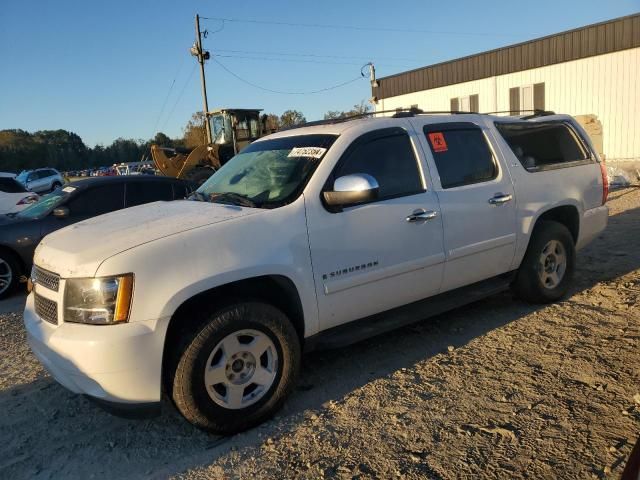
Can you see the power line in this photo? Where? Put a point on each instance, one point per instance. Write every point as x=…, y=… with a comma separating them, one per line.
x=313, y=55
x=354, y=27
x=283, y=92
x=164, y=104
x=179, y=97
x=295, y=60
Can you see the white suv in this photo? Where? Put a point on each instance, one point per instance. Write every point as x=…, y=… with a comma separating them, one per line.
x=312, y=237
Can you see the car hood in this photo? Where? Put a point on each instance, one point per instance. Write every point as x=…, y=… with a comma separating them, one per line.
x=79, y=249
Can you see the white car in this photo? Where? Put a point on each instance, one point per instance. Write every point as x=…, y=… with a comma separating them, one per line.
x=312, y=237
x=13, y=196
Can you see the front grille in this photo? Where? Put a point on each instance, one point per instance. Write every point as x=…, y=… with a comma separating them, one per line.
x=46, y=309
x=46, y=279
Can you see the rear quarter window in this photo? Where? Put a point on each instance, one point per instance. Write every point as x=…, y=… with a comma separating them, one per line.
x=544, y=145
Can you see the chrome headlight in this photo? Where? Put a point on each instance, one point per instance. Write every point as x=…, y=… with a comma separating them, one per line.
x=98, y=301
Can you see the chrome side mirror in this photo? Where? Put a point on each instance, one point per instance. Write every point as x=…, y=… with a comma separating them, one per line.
x=352, y=190
x=61, y=212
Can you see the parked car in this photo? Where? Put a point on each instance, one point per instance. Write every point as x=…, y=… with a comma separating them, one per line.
x=41, y=180
x=312, y=237
x=13, y=196
x=20, y=233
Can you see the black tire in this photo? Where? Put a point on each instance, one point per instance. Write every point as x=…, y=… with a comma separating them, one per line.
x=185, y=375
x=199, y=175
x=55, y=185
x=8, y=265
x=529, y=285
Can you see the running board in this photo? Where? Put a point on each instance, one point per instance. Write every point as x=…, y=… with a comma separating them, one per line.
x=352, y=332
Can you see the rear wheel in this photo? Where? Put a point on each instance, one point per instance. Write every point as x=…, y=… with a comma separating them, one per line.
x=236, y=369
x=9, y=273
x=55, y=185
x=547, y=268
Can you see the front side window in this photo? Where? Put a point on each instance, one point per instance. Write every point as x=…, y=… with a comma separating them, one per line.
x=268, y=173
x=389, y=159
x=461, y=154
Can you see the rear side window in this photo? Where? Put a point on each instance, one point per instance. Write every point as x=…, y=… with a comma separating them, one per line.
x=9, y=185
x=139, y=193
x=387, y=158
x=461, y=154
x=97, y=200
x=542, y=145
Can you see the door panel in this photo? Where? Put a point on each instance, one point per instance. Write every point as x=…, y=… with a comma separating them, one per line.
x=371, y=258
x=478, y=203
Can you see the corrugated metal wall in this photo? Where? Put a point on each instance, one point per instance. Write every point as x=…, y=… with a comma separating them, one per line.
x=607, y=37
x=607, y=86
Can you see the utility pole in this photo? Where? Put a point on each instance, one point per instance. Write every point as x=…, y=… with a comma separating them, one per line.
x=201, y=55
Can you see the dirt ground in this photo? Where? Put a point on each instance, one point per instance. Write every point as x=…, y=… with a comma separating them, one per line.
x=497, y=389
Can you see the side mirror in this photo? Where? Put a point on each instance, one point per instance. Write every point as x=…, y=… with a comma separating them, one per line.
x=61, y=212
x=351, y=190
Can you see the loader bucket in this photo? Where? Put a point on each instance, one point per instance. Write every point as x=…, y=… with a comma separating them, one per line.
x=169, y=166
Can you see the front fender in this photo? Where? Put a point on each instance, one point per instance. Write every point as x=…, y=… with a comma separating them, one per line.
x=173, y=269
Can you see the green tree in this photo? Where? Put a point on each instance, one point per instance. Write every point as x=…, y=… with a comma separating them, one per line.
x=194, y=132
x=162, y=140
x=272, y=122
x=291, y=118
x=358, y=109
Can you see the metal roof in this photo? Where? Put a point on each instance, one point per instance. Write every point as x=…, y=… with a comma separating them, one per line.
x=597, y=39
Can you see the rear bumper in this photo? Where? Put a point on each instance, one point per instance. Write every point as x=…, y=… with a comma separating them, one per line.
x=594, y=221
x=118, y=365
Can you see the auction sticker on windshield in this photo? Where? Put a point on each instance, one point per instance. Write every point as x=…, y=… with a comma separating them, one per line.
x=312, y=152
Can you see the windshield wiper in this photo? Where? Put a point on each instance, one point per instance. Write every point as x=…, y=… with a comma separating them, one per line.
x=232, y=198
x=197, y=196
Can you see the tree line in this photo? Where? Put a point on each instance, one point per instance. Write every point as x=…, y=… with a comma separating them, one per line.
x=65, y=150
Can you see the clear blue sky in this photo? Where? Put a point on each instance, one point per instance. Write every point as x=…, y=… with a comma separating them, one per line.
x=103, y=69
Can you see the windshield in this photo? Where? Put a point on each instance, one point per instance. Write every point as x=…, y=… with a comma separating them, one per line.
x=45, y=204
x=219, y=126
x=267, y=174
x=22, y=176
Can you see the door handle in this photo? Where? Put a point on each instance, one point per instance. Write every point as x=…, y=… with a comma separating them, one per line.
x=421, y=214
x=500, y=198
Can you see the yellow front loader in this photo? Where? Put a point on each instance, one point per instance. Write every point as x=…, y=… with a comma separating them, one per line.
x=232, y=130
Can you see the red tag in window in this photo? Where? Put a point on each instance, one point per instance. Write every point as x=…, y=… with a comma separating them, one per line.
x=437, y=142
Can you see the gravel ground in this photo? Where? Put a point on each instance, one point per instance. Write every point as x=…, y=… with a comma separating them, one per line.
x=497, y=389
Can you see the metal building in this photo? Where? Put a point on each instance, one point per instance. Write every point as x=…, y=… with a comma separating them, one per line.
x=591, y=72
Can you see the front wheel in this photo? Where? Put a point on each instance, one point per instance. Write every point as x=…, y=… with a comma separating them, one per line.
x=547, y=268
x=9, y=273
x=236, y=369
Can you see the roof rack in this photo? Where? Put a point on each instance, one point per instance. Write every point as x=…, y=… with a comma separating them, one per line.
x=397, y=113
x=536, y=113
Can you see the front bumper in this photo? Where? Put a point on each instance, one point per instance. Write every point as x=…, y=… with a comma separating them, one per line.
x=117, y=365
